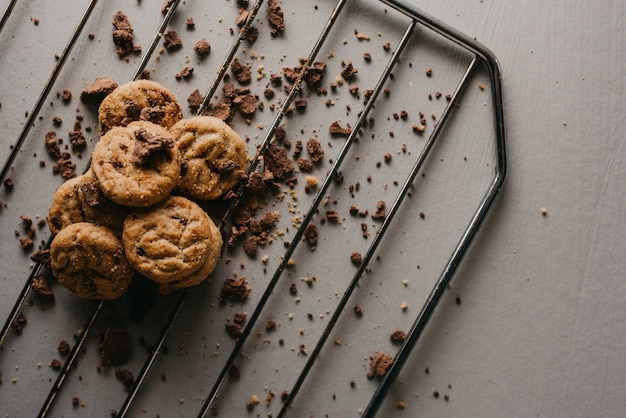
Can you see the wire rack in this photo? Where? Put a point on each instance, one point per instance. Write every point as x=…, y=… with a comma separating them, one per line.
x=406, y=186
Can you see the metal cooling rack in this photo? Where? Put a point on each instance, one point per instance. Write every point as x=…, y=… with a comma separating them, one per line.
x=465, y=61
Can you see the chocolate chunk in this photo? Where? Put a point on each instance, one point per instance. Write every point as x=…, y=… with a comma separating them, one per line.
x=277, y=161
x=242, y=72
x=235, y=290
x=314, y=73
x=255, y=183
x=250, y=245
x=152, y=114
x=246, y=104
x=77, y=140
x=185, y=73
x=98, y=90
x=336, y=129
x=123, y=37
x=93, y=194
x=222, y=110
x=195, y=100
x=42, y=257
x=148, y=144
x=115, y=346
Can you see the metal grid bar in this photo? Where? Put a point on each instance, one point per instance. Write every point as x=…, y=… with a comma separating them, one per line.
x=417, y=16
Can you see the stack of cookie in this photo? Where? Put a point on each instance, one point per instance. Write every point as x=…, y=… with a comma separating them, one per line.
x=134, y=211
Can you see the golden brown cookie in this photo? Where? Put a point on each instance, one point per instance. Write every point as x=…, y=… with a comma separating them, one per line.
x=137, y=165
x=212, y=154
x=139, y=100
x=89, y=260
x=203, y=273
x=81, y=200
x=170, y=241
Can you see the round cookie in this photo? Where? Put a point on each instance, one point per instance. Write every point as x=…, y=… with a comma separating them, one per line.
x=203, y=273
x=137, y=165
x=89, y=260
x=138, y=100
x=170, y=241
x=212, y=154
x=81, y=200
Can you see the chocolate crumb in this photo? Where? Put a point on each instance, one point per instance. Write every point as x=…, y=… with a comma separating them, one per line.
x=275, y=17
x=234, y=330
x=166, y=6
x=310, y=235
x=358, y=311
x=55, y=364
x=19, y=323
x=397, y=336
x=171, y=41
x=8, y=184
x=63, y=347
x=115, y=346
x=356, y=258
x=336, y=129
x=379, y=364
x=42, y=257
x=148, y=144
x=41, y=286
x=92, y=194
x=202, y=48
x=98, y=89
x=123, y=37
x=195, y=100
x=125, y=376
x=189, y=23
x=235, y=290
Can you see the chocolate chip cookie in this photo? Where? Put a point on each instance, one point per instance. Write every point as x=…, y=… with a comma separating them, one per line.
x=139, y=100
x=171, y=240
x=213, y=157
x=137, y=165
x=89, y=260
x=81, y=200
x=205, y=270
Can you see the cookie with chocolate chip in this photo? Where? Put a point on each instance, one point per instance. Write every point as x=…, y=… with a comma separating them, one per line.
x=89, y=260
x=138, y=100
x=137, y=165
x=213, y=157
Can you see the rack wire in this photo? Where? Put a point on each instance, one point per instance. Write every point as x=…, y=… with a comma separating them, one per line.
x=480, y=58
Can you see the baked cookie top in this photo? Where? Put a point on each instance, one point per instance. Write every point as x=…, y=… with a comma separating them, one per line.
x=204, y=271
x=89, y=260
x=169, y=241
x=138, y=100
x=137, y=165
x=81, y=200
x=213, y=157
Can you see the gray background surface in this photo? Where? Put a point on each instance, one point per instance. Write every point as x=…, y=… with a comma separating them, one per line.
x=541, y=328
